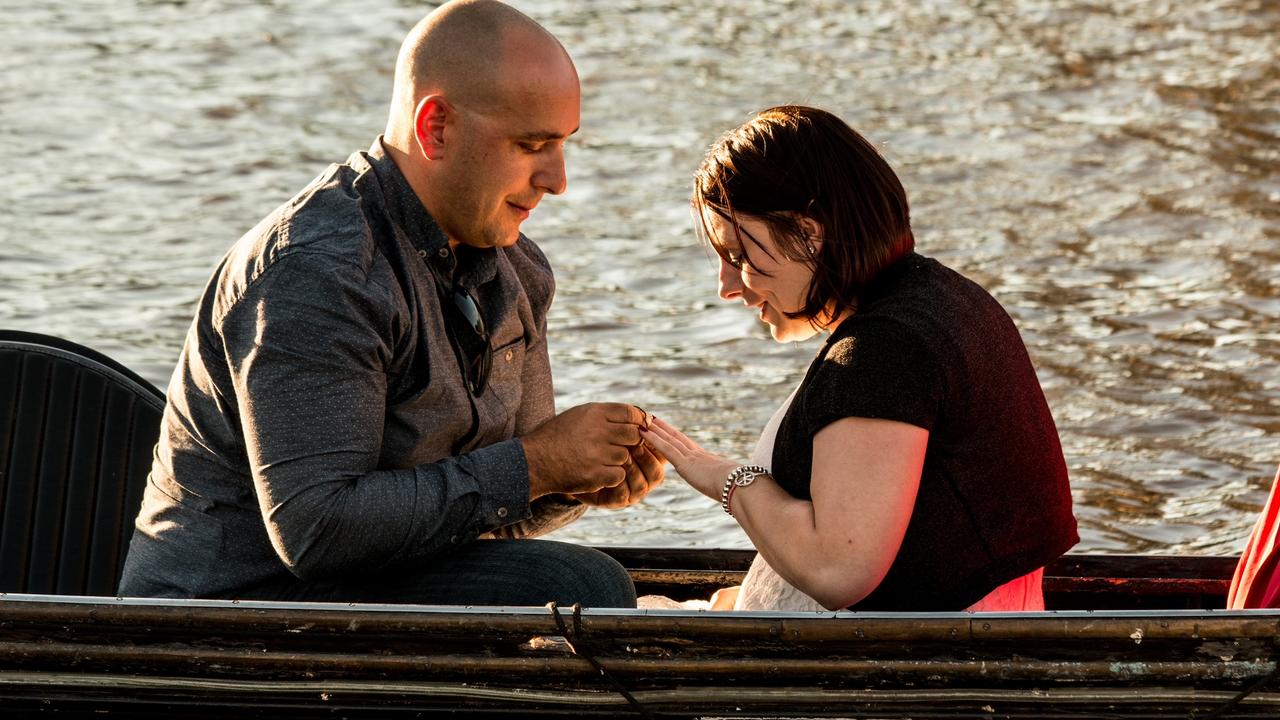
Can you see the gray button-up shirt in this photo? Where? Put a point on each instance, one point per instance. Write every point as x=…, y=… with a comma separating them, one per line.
x=318, y=424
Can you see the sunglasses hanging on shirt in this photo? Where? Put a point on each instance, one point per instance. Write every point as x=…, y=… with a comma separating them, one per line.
x=467, y=331
x=477, y=360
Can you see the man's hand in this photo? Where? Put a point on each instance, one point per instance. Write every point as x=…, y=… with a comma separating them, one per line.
x=644, y=473
x=583, y=449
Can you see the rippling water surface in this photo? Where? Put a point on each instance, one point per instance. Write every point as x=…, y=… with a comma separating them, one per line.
x=1108, y=171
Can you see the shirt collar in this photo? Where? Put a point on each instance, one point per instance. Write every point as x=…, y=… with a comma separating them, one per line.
x=475, y=267
x=403, y=207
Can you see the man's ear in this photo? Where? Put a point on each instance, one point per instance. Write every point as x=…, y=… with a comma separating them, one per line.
x=429, y=119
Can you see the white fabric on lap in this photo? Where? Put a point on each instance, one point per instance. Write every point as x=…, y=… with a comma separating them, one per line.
x=764, y=589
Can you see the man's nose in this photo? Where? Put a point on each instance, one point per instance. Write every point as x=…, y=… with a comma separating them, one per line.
x=550, y=175
x=730, y=281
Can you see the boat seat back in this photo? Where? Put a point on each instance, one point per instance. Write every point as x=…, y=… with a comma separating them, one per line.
x=77, y=433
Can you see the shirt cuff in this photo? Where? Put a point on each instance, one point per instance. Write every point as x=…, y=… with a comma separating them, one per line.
x=503, y=474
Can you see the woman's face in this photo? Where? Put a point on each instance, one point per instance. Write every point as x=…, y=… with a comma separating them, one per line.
x=770, y=282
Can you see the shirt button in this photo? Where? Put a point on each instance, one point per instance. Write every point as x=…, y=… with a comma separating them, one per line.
x=455, y=539
x=443, y=252
x=502, y=512
x=422, y=254
x=510, y=354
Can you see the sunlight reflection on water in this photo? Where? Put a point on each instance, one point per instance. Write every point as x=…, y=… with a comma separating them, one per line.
x=1108, y=172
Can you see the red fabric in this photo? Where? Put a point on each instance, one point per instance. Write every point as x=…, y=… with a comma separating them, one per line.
x=1256, y=583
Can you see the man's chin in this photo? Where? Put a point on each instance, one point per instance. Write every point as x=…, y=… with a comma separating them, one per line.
x=504, y=237
x=494, y=240
x=510, y=239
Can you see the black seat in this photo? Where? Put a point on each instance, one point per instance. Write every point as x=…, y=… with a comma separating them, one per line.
x=77, y=431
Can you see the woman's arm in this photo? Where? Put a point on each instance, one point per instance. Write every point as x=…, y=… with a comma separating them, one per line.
x=838, y=547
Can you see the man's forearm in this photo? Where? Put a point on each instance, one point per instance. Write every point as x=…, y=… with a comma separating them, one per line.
x=394, y=517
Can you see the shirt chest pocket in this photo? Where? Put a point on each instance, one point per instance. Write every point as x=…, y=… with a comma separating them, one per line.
x=506, y=374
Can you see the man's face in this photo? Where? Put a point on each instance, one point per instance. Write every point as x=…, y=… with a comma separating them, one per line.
x=506, y=157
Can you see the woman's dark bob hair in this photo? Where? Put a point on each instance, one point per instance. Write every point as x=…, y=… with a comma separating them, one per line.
x=793, y=162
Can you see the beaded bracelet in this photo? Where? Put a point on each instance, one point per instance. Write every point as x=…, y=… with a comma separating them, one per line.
x=741, y=476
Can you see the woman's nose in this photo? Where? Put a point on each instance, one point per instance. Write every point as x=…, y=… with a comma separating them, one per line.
x=730, y=281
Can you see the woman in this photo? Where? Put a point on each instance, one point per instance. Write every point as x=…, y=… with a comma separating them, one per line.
x=916, y=466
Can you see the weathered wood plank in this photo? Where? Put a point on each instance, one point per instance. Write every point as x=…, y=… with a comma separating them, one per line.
x=261, y=659
x=1071, y=582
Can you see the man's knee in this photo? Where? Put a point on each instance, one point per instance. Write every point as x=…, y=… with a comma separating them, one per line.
x=584, y=575
x=612, y=583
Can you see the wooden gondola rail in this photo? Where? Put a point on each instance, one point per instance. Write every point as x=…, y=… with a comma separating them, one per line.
x=308, y=699
x=108, y=633
x=395, y=626
x=571, y=671
x=1074, y=581
x=214, y=659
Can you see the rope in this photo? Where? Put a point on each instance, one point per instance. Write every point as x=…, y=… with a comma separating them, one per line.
x=1228, y=705
x=572, y=638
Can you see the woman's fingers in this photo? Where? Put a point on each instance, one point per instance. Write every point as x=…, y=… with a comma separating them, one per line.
x=664, y=445
x=663, y=429
x=661, y=424
x=698, y=467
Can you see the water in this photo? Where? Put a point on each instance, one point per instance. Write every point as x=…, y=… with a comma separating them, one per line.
x=1108, y=171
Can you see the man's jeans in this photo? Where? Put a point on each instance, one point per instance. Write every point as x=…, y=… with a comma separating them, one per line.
x=484, y=572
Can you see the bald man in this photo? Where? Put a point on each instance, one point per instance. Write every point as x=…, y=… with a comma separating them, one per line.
x=363, y=409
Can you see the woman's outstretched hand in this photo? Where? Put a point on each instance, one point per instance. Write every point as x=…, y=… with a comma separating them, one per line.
x=704, y=471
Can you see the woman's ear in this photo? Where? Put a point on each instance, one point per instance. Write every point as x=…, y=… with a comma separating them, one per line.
x=429, y=120
x=813, y=234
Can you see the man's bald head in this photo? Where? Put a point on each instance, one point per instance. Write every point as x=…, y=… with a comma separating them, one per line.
x=475, y=53
x=485, y=102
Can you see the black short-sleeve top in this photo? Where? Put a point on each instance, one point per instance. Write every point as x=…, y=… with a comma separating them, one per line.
x=929, y=347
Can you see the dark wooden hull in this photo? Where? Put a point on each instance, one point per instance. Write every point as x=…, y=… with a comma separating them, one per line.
x=111, y=657
x=1073, y=582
